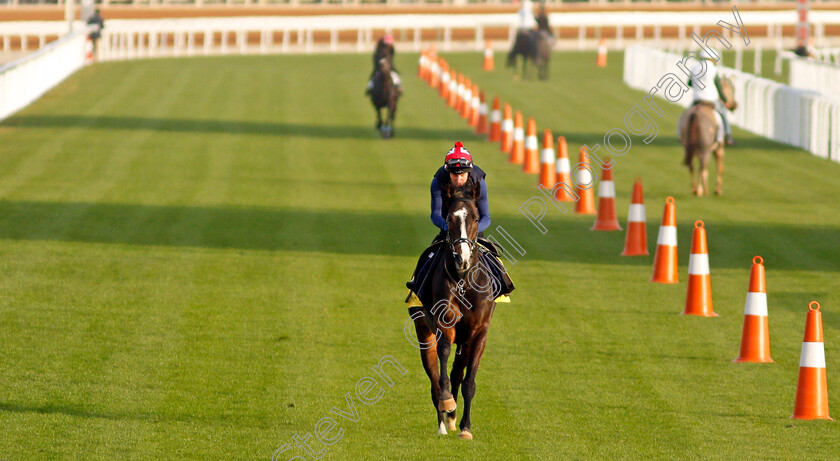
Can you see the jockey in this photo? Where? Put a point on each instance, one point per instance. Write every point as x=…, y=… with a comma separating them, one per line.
x=711, y=93
x=459, y=170
x=384, y=50
x=526, y=16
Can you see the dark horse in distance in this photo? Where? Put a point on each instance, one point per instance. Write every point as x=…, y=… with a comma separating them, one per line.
x=457, y=310
x=534, y=45
x=384, y=95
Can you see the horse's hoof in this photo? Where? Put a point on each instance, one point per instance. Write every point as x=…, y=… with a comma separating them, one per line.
x=442, y=429
x=450, y=421
x=447, y=405
x=465, y=435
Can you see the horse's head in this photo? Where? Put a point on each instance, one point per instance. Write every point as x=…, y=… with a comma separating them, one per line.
x=462, y=222
x=728, y=90
x=384, y=66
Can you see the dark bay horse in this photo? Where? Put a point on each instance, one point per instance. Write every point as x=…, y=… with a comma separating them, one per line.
x=457, y=311
x=699, y=135
x=534, y=45
x=384, y=94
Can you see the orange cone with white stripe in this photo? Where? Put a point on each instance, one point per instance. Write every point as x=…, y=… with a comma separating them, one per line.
x=488, y=57
x=466, y=100
x=665, y=269
x=602, y=53
x=423, y=65
x=506, y=141
x=517, y=153
x=459, y=93
x=453, y=89
x=584, y=181
x=562, y=171
x=475, y=107
x=532, y=156
x=812, y=389
x=495, y=134
x=481, y=123
x=443, y=87
x=434, y=77
x=755, y=339
x=547, y=175
x=635, y=241
x=698, y=298
x=607, y=219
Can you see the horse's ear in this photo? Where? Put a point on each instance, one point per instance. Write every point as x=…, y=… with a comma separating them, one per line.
x=446, y=191
x=477, y=191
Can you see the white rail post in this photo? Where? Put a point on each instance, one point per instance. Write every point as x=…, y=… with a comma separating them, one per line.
x=757, y=60
x=416, y=39
x=619, y=36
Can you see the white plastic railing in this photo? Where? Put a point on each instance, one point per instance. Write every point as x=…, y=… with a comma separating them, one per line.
x=794, y=116
x=820, y=76
x=25, y=80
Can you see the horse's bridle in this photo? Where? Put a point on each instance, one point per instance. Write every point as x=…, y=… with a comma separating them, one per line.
x=454, y=243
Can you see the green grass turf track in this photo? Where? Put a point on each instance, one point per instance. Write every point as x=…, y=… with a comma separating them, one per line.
x=200, y=257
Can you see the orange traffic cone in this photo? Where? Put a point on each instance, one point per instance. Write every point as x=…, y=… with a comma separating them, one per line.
x=635, y=242
x=475, y=106
x=423, y=65
x=453, y=89
x=495, y=134
x=811, y=389
x=665, y=268
x=698, y=298
x=606, y=220
x=506, y=140
x=532, y=157
x=602, y=53
x=443, y=88
x=459, y=94
x=488, y=57
x=517, y=153
x=434, y=78
x=562, y=171
x=584, y=180
x=466, y=100
x=547, y=176
x=481, y=123
x=755, y=339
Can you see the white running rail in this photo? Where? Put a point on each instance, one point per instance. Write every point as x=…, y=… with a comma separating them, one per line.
x=25, y=80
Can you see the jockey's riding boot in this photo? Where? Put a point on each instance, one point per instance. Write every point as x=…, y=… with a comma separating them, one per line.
x=729, y=140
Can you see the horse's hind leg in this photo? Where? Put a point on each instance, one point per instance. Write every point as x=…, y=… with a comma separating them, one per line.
x=476, y=349
x=719, y=162
x=428, y=355
x=690, y=164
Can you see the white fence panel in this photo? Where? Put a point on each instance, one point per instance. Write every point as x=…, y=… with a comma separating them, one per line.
x=25, y=80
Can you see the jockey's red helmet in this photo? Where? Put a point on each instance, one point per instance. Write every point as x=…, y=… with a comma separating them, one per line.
x=388, y=39
x=458, y=159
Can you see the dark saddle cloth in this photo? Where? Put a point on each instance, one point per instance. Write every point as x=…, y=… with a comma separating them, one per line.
x=433, y=257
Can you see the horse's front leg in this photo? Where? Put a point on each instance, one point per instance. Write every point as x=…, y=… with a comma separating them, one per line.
x=457, y=377
x=428, y=355
x=476, y=349
x=446, y=403
x=378, y=118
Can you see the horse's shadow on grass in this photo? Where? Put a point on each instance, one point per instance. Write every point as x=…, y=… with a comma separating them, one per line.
x=180, y=125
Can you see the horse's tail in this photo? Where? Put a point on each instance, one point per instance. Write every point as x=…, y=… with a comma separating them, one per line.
x=692, y=136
